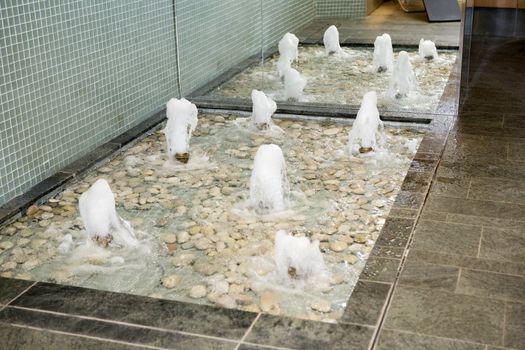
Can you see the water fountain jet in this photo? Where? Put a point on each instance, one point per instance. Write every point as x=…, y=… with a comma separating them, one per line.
x=263, y=109
x=296, y=258
x=367, y=126
x=269, y=186
x=403, y=78
x=288, y=47
x=100, y=218
x=182, y=121
x=294, y=84
x=427, y=49
x=331, y=41
x=383, y=54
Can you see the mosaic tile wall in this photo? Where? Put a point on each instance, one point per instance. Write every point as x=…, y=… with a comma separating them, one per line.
x=76, y=73
x=215, y=35
x=341, y=8
x=73, y=75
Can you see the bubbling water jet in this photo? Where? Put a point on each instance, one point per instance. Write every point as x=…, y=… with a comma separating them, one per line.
x=297, y=258
x=331, y=42
x=182, y=121
x=294, y=84
x=383, y=54
x=427, y=49
x=269, y=188
x=100, y=218
x=403, y=79
x=367, y=128
x=263, y=109
x=288, y=47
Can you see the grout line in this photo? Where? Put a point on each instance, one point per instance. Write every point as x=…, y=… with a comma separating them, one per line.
x=265, y=346
x=457, y=281
x=133, y=325
x=16, y=297
x=87, y=337
x=504, y=324
x=480, y=240
x=469, y=187
x=372, y=281
x=248, y=330
x=434, y=336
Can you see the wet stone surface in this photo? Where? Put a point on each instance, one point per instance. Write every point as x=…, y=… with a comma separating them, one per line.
x=344, y=80
x=199, y=242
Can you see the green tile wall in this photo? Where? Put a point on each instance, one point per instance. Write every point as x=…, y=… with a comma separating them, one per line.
x=341, y=8
x=76, y=73
x=73, y=75
x=282, y=16
x=215, y=35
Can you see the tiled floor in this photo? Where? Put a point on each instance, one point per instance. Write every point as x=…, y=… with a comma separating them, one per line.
x=404, y=28
x=448, y=271
x=463, y=283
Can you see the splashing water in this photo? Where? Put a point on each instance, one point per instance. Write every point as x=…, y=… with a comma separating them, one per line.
x=296, y=258
x=263, y=109
x=269, y=186
x=294, y=84
x=288, y=47
x=427, y=49
x=403, y=79
x=98, y=213
x=331, y=42
x=383, y=54
x=182, y=121
x=367, y=129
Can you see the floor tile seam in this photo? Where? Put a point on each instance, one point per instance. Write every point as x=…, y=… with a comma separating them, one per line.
x=504, y=324
x=248, y=330
x=480, y=242
x=453, y=223
x=453, y=293
x=435, y=336
x=20, y=294
x=473, y=269
x=127, y=324
x=106, y=340
x=484, y=200
x=372, y=281
x=263, y=346
x=468, y=188
x=457, y=281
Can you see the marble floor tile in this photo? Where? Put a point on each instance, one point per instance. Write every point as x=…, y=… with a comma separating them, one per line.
x=447, y=237
x=306, y=335
x=166, y=314
x=17, y=338
x=476, y=207
x=497, y=189
x=393, y=340
x=515, y=326
x=491, y=285
x=504, y=244
x=439, y=313
x=366, y=303
x=425, y=275
x=110, y=331
x=11, y=288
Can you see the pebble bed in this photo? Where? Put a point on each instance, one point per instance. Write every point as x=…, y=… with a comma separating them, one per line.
x=198, y=242
x=344, y=80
